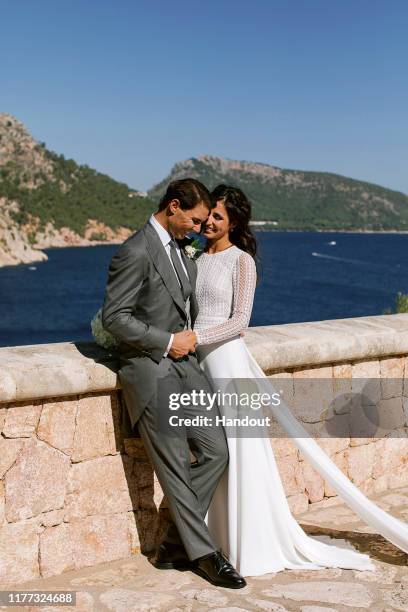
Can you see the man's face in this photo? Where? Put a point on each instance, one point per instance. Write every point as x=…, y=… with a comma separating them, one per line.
x=182, y=222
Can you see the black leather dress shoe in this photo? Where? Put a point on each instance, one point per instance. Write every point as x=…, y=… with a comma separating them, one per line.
x=171, y=556
x=218, y=570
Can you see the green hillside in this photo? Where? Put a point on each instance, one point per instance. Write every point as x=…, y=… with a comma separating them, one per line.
x=52, y=188
x=300, y=200
x=87, y=194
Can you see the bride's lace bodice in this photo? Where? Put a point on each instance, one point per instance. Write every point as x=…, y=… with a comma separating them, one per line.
x=225, y=292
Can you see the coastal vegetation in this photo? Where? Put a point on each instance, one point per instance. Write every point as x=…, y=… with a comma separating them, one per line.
x=47, y=200
x=401, y=304
x=300, y=200
x=73, y=195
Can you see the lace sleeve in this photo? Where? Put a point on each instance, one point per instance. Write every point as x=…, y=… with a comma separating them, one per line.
x=244, y=281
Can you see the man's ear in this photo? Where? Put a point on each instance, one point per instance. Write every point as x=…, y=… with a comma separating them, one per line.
x=174, y=205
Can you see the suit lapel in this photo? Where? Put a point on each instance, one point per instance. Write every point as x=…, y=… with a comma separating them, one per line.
x=191, y=268
x=163, y=266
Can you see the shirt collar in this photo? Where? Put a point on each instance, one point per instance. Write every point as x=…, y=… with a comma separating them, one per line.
x=163, y=233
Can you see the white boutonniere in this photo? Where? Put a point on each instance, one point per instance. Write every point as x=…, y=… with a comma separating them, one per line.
x=193, y=249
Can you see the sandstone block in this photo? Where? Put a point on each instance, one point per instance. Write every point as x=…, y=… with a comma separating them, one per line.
x=313, y=394
x=342, y=379
x=298, y=503
x=366, y=369
x=291, y=475
x=391, y=415
x=284, y=447
x=390, y=455
x=316, y=609
x=342, y=593
x=335, y=425
x=114, y=424
x=55, y=551
x=36, y=482
x=211, y=597
x=282, y=383
x=364, y=419
x=368, y=486
x=405, y=409
x=341, y=461
x=331, y=446
x=392, y=376
x=361, y=441
x=52, y=518
x=21, y=421
x=366, y=380
x=94, y=424
x=3, y=412
x=327, y=502
x=360, y=462
x=257, y=604
x=18, y=553
x=398, y=478
x=2, y=504
x=124, y=600
x=57, y=424
x=150, y=527
x=9, y=450
x=98, y=539
x=157, y=492
x=134, y=447
x=133, y=533
x=405, y=385
x=381, y=484
x=314, y=483
x=315, y=372
x=98, y=486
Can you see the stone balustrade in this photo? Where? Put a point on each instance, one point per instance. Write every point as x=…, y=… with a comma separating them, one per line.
x=74, y=492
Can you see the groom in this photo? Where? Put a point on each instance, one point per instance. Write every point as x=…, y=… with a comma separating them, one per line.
x=150, y=307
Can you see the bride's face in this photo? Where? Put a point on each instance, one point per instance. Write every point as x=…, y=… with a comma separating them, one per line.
x=218, y=223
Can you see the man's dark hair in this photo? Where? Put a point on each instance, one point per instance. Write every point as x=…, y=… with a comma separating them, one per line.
x=188, y=191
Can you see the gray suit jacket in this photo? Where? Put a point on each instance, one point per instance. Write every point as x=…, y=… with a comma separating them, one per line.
x=143, y=305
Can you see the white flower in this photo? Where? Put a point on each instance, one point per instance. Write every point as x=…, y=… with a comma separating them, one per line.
x=100, y=335
x=190, y=251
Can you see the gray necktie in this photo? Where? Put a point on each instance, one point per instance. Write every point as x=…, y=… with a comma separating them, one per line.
x=182, y=276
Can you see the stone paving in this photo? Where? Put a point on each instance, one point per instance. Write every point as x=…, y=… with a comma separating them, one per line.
x=133, y=584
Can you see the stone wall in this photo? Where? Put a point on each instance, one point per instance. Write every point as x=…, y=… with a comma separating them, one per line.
x=74, y=493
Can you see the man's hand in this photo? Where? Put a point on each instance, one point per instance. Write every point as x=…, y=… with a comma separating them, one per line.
x=183, y=343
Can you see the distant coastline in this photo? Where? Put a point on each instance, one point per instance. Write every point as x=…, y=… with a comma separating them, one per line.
x=329, y=231
x=36, y=255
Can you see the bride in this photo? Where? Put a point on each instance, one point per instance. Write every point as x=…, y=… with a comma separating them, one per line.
x=249, y=516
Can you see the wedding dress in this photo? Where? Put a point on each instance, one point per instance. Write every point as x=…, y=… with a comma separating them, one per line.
x=249, y=516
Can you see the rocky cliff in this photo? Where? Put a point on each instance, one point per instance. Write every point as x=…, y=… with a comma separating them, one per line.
x=49, y=201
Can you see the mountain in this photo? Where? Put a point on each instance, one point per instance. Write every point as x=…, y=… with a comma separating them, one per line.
x=47, y=200
x=299, y=200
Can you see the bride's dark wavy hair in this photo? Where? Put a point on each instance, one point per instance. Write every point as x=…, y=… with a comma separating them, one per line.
x=239, y=210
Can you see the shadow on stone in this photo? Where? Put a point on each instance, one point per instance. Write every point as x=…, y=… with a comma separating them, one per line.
x=150, y=512
x=90, y=350
x=370, y=543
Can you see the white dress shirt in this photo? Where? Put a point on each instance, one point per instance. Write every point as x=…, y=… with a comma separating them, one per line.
x=165, y=240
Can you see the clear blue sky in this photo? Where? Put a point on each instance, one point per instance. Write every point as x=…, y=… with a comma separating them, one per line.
x=131, y=87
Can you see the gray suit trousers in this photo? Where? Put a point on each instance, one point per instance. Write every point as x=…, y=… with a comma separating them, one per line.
x=188, y=486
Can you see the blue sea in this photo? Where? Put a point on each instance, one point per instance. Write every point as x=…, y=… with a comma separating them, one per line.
x=304, y=276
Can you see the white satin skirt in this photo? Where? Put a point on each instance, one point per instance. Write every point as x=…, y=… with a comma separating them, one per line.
x=249, y=516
